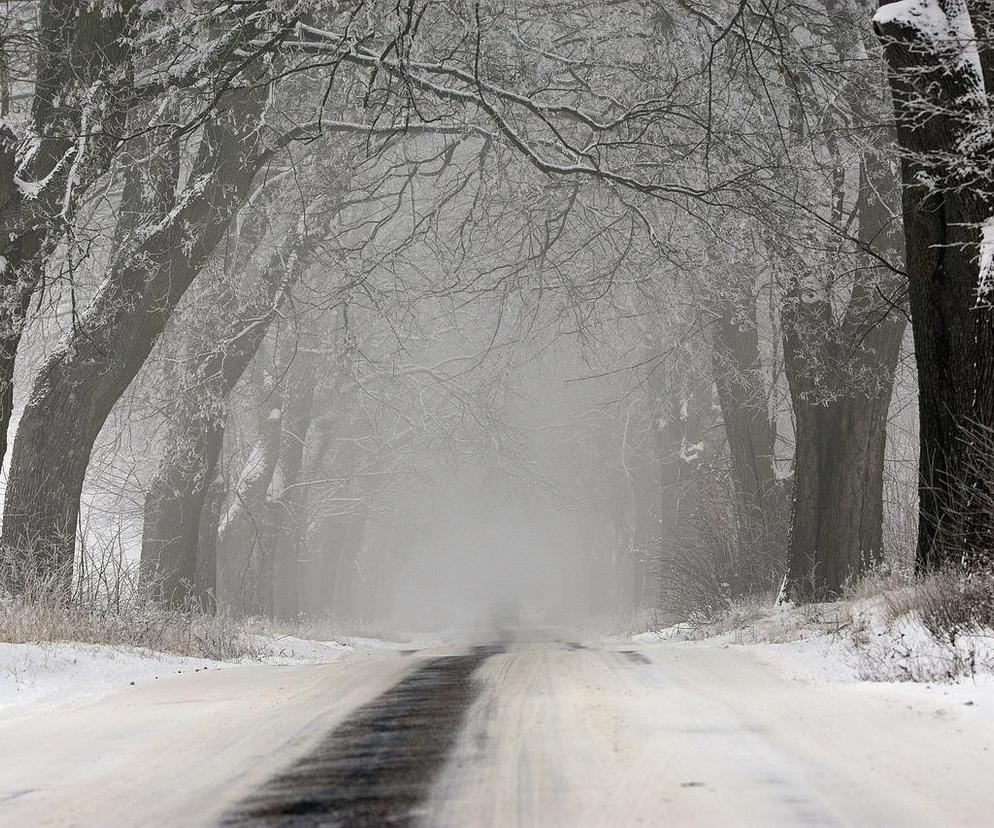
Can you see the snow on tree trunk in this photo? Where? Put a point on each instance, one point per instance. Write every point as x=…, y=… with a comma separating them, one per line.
x=45, y=172
x=244, y=545
x=81, y=381
x=939, y=83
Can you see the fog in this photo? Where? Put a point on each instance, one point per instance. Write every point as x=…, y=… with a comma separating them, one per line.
x=407, y=347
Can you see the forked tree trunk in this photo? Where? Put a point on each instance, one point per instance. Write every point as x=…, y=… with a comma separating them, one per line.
x=81, y=381
x=841, y=394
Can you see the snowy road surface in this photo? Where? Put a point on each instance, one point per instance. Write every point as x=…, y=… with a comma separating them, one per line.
x=536, y=732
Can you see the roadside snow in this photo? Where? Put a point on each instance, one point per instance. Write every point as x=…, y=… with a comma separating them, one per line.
x=43, y=675
x=861, y=641
x=35, y=677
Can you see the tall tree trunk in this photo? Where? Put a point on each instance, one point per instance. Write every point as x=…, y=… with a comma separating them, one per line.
x=741, y=390
x=82, y=380
x=245, y=536
x=80, y=47
x=290, y=506
x=174, y=503
x=841, y=392
x=317, y=575
x=738, y=376
x=350, y=540
x=679, y=452
x=210, y=523
x=943, y=122
x=837, y=519
x=170, y=560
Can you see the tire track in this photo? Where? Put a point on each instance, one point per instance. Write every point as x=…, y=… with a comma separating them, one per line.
x=377, y=768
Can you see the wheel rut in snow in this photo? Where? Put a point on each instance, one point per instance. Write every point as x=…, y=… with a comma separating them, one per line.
x=376, y=768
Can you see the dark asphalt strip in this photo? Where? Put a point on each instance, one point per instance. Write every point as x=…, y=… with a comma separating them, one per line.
x=377, y=767
x=638, y=658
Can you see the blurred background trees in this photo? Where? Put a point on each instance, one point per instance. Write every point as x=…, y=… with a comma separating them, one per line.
x=283, y=279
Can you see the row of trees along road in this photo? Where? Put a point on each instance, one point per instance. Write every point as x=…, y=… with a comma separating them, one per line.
x=233, y=198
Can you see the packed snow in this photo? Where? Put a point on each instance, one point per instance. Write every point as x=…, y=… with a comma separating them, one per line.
x=36, y=677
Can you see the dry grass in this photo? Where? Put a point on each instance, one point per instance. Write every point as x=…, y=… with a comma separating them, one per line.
x=721, y=560
x=325, y=628
x=889, y=626
x=936, y=629
x=109, y=605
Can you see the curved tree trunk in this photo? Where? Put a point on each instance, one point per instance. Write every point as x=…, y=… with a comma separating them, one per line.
x=80, y=46
x=81, y=381
x=175, y=501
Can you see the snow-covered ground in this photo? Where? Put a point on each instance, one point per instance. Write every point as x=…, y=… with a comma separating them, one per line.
x=863, y=641
x=755, y=726
x=36, y=677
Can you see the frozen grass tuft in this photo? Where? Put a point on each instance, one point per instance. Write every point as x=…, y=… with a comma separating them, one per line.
x=889, y=627
x=109, y=605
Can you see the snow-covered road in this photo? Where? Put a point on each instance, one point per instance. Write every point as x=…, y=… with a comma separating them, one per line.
x=538, y=732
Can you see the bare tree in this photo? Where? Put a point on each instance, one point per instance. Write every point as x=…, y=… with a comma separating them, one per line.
x=941, y=76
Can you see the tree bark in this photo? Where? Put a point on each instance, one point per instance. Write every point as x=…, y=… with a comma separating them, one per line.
x=173, y=506
x=210, y=523
x=290, y=506
x=841, y=393
x=751, y=435
x=82, y=380
x=837, y=519
x=245, y=535
x=81, y=47
x=944, y=132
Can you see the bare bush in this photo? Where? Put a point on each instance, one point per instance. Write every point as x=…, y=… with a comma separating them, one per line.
x=951, y=604
x=720, y=557
x=938, y=628
x=108, y=604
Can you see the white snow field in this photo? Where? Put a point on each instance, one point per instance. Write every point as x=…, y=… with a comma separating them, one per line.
x=559, y=733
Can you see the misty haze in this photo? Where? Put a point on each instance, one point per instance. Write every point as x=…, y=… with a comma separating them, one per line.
x=475, y=413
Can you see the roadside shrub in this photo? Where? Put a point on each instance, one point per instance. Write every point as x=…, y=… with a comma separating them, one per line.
x=107, y=603
x=952, y=604
x=720, y=556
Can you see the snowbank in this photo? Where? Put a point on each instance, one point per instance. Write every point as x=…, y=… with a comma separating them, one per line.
x=879, y=639
x=35, y=677
x=42, y=675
